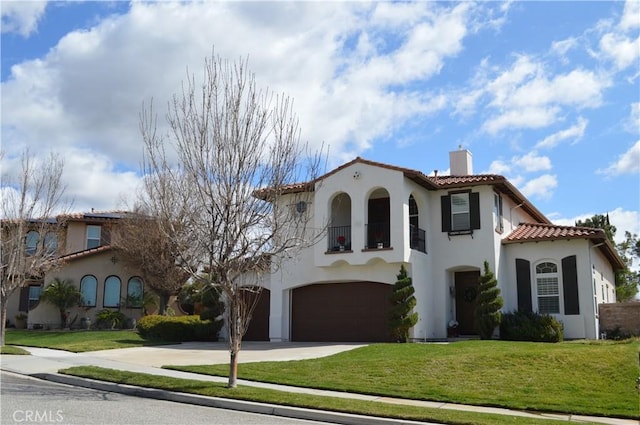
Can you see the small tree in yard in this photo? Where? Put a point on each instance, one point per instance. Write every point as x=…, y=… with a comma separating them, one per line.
x=403, y=301
x=487, y=314
x=144, y=246
x=28, y=233
x=62, y=294
x=220, y=184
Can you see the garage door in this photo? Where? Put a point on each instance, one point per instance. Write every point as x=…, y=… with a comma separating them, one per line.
x=341, y=312
x=259, y=325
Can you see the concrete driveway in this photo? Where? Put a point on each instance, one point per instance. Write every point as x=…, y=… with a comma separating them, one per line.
x=195, y=353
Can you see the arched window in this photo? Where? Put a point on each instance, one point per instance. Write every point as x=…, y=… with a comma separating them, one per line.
x=548, y=288
x=134, y=293
x=50, y=243
x=378, y=220
x=112, y=292
x=417, y=236
x=89, y=290
x=339, y=232
x=32, y=242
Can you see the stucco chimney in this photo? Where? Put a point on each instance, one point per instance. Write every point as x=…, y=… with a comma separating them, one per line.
x=460, y=162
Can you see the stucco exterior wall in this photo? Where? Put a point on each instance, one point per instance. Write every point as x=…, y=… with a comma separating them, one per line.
x=583, y=325
x=101, y=266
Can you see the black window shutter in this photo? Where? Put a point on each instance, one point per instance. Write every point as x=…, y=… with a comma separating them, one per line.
x=445, y=202
x=523, y=279
x=24, y=299
x=474, y=209
x=570, y=285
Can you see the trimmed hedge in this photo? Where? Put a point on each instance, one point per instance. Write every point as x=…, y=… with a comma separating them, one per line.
x=530, y=326
x=178, y=328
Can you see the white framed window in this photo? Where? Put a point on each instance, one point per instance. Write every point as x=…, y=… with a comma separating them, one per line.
x=112, y=292
x=460, y=212
x=134, y=292
x=548, y=288
x=93, y=236
x=34, y=295
x=89, y=290
x=31, y=241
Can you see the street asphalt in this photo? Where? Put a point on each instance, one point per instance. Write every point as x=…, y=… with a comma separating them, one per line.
x=45, y=363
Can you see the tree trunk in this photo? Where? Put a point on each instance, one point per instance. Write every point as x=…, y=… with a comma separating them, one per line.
x=162, y=308
x=233, y=369
x=3, y=325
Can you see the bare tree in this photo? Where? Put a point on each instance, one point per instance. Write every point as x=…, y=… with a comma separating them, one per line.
x=143, y=245
x=29, y=232
x=223, y=179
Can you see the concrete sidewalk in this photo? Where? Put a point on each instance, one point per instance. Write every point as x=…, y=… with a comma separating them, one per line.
x=45, y=363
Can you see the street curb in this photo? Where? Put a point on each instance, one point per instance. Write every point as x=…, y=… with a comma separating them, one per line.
x=224, y=403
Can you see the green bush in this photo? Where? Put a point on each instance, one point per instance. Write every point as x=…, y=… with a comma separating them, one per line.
x=111, y=319
x=178, y=328
x=530, y=326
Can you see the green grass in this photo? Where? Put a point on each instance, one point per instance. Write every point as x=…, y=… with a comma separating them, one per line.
x=372, y=408
x=77, y=341
x=571, y=377
x=7, y=349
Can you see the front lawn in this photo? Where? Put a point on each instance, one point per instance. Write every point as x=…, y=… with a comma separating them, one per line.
x=77, y=341
x=371, y=408
x=8, y=349
x=590, y=378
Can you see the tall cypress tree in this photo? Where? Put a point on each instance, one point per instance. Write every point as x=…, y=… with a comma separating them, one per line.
x=488, y=315
x=403, y=301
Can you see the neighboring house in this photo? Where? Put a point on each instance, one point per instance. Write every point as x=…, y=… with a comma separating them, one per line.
x=90, y=263
x=442, y=228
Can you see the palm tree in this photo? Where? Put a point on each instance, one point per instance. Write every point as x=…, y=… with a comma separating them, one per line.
x=63, y=294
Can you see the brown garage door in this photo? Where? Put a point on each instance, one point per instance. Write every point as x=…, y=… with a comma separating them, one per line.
x=259, y=325
x=341, y=312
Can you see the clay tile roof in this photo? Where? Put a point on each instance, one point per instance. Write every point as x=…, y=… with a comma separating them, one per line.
x=85, y=253
x=528, y=232
x=538, y=232
x=445, y=181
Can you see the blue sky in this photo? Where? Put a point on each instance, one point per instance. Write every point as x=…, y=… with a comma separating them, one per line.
x=544, y=93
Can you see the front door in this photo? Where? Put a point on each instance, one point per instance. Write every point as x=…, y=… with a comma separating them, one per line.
x=467, y=284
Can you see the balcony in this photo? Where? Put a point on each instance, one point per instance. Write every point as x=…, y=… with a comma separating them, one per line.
x=339, y=238
x=378, y=236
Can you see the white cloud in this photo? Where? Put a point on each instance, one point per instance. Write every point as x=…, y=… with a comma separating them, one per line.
x=499, y=167
x=624, y=51
x=102, y=188
x=632, y=123
x=631, y=15
x=575, y=132
x=541, y=187
x=532, y=162
x=627, y=163
x=530, y=118
x=527, y=96
x=562, y=47
x=22, y=17
x=91, y=86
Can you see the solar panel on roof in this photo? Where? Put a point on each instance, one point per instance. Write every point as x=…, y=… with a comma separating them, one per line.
x=103, y=215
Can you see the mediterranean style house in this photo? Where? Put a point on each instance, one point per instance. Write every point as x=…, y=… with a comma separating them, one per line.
x=375, y=217
x=90, y=263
